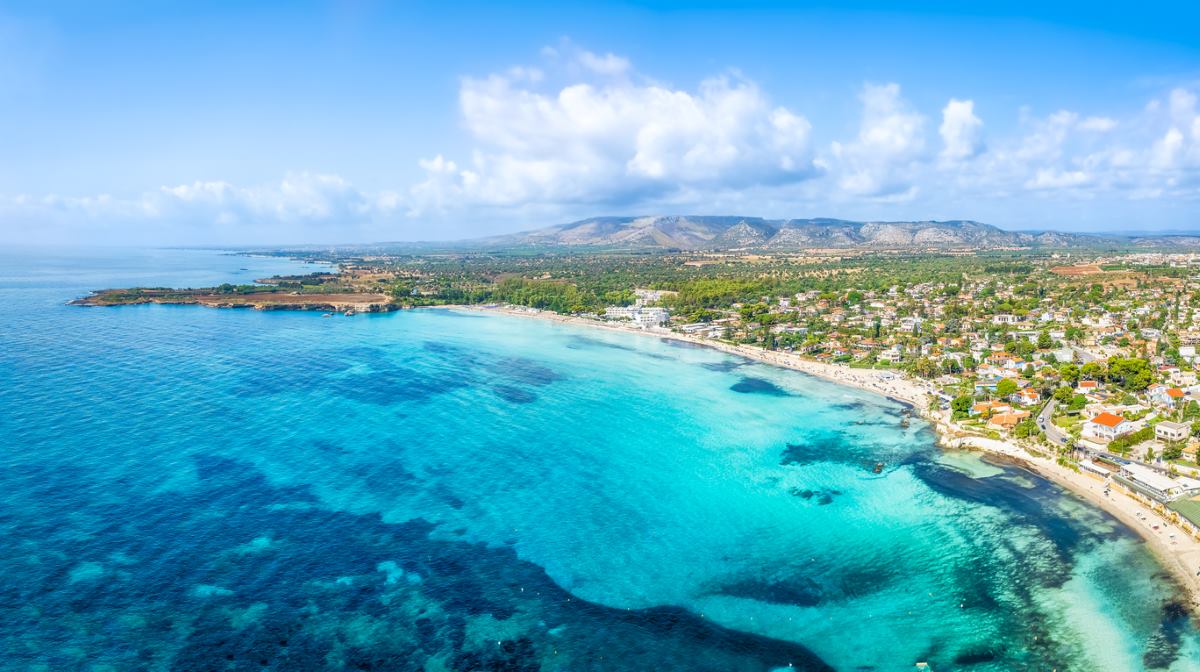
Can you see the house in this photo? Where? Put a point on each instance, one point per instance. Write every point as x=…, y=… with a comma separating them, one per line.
x=1027, y=396
x=1007, y=421
x=1087, y=387
x=1106, y=427
x=990, y=408
x=1172, y=431
x=1166, y=396
x=892, y=355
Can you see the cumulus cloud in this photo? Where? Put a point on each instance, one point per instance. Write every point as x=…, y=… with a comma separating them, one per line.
x=612, y=140
x=584, y=133
x=301, y=206
x=1098, y=124
x=961, y=131
x=891, y=138
x=608, y=64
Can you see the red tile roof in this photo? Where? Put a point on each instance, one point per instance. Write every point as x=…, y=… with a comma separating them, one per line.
x=1108, y=419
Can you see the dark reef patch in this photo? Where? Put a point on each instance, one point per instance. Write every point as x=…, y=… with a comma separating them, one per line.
x=727, y=366
x=850, y=406
x=332, y=591
x=394, y=386
x=752, y=385
x=824, y=446
x=975, y=657
x=1163, y=648
x=576, y=341
x=821, y=496
x=1030, y=506
x=514, y=395
x=526, y=371
x=802, y=591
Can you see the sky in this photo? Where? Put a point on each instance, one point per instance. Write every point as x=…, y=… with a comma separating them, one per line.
x=339, y=122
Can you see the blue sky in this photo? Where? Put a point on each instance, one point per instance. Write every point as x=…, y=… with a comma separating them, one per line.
x=356, y=121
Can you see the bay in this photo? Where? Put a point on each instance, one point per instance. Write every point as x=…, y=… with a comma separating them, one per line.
x=184, y=488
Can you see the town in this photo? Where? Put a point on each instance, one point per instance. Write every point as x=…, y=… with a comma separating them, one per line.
x=1089, y=359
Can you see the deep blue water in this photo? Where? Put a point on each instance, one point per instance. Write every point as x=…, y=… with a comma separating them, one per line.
x=193, y=489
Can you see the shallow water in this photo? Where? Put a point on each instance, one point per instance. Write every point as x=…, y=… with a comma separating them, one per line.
x=189, y=488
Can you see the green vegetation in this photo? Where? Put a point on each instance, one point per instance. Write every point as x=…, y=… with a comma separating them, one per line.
x=1123, y=444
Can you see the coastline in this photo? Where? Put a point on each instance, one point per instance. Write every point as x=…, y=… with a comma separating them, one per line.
x=1177, y=552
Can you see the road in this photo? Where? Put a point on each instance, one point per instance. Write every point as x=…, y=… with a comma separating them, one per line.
x=1045, y=423
x=1058, y=437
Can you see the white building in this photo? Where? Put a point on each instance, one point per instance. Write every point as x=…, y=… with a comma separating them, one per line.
x=1172, y=431
x=639, y=315
x=1155, y=484
x=1106, y=427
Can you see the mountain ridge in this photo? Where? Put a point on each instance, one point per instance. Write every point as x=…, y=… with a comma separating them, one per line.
x=724, y=232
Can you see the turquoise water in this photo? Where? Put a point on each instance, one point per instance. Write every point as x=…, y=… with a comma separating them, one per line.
x=189, y=488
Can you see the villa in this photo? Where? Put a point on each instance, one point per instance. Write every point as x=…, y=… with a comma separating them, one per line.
x=1107, y=427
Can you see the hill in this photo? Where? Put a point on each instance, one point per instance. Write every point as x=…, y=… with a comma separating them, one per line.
x=742, y=233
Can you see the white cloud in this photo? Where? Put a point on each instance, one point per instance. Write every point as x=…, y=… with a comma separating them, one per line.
x=300, y=207
x=613, y=140
x=961, y=131
x=1097, y=124
x=891, y=138
x=608, y=64
x=584, y=133
x=1057, y=179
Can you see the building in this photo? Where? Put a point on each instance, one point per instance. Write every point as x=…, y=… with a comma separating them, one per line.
x=1027, y=396
x=1106, y=427
x=1153, y=484
x=1172, y=431
x=1167, y=396
x=639, y=315
x=1007, y=421
x=990, y=408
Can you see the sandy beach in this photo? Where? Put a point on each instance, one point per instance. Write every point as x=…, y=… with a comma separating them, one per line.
x=1177, y=551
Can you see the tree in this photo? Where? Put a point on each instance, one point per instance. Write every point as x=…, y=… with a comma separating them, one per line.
x=1063, y=394
x=1131, y=373
x=1025, y=428
x=1005, y=388
x=1191, y=411
x=961, y=406
x=1044, y=342
x=1069, y=373
x=1077, y=403
x=926, y=368
x=1173, y=450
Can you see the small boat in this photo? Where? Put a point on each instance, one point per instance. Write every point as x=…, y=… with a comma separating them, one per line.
x=878, y=468
x=327, y=315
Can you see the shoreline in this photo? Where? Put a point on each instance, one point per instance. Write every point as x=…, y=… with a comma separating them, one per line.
x=1177, y=552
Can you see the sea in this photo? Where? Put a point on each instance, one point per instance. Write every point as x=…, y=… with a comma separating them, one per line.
x=186, y=488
